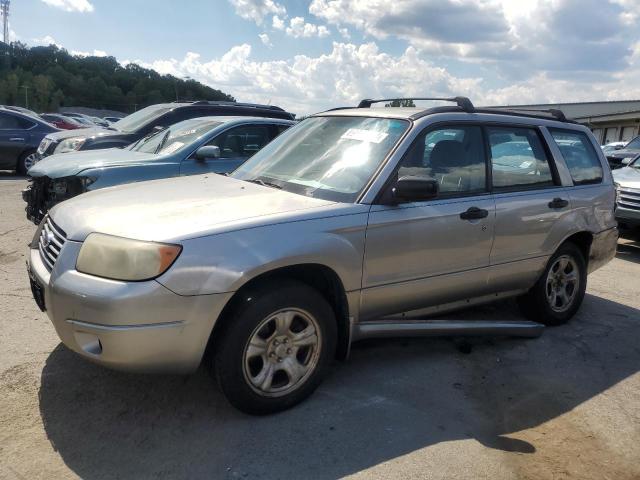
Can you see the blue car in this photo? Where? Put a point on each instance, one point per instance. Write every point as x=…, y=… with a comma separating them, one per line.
x=190, y=147
x=20, y=135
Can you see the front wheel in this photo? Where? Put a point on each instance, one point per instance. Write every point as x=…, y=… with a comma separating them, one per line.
x=275, y=348
x=558, y=293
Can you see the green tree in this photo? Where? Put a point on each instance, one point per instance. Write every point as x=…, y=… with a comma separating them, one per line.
x=56, y=78
x=401, y=103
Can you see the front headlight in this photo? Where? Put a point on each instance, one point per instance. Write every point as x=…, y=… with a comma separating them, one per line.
x=120, y=258
x=70, y=145
x=617, y=187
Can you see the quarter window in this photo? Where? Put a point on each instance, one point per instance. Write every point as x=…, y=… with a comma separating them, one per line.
x=518, y=159
x=579, y=155
x=453, y=156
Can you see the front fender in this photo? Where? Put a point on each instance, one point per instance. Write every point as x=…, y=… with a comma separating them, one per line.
x=225, y=262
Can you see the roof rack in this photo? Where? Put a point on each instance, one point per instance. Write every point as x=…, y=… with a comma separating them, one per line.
x=463, y=102
x=554, y=112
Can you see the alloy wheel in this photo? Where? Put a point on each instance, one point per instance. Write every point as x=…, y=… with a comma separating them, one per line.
x=282, y=352
x=563, y=283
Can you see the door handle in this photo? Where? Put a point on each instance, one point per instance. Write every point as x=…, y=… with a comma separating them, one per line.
x=16, y=139
x=474, y=213
x=558, y=203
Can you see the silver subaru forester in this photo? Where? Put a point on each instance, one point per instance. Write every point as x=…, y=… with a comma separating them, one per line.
x=355, y=223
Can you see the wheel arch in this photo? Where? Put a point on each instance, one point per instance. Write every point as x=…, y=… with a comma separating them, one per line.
x=583, y=240
x=322, y=278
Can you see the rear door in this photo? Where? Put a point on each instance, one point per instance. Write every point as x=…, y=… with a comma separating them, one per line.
x=530, y=205
x=432, y=252
x=236, y=145
x=14, y=138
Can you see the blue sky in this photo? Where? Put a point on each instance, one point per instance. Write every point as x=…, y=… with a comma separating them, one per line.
x=309, y=55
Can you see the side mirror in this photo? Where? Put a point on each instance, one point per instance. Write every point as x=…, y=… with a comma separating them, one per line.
x=414, y=189
x=618, y=147
x=207, y=151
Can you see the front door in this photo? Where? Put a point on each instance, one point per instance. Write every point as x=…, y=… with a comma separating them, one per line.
x=236, y=146
x=427, y=253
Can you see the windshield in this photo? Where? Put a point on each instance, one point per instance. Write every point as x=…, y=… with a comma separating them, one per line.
x=175, y=137
x=325, y=157
x=133, y=122
x=633, y=144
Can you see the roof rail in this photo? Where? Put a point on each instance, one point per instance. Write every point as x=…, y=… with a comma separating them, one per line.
x=234, y=104
x=463, y=102
x=554, y=112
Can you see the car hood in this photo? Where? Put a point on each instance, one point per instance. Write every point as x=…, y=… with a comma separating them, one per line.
x=624, y=153
x=628, y=177
x=72, y=163
x=83, y=133
x=179, y=208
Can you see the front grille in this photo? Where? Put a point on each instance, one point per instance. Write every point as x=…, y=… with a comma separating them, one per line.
x=52, y=239
x=629, y=198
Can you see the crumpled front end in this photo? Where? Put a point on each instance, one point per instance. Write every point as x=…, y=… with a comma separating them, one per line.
x=43, y=193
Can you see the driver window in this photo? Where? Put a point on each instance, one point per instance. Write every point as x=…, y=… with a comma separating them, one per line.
x=241, y=142
x=454, y=156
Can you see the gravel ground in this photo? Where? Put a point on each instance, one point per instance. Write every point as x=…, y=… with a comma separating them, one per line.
x=565, y=405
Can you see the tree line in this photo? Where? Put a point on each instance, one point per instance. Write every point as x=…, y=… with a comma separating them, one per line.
x=50, y=78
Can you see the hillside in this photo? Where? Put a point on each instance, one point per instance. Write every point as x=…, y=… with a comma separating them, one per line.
x=54, y=78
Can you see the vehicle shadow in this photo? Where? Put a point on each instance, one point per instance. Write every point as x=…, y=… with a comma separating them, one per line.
x=391, y=398
x=11, y=175
x=629, y=246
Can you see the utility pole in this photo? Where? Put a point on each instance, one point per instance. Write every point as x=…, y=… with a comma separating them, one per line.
x=4, y=10
x=26, y=96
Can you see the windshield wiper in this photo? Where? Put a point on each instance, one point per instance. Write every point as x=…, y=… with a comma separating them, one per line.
x=264, y=184
x=162, y=142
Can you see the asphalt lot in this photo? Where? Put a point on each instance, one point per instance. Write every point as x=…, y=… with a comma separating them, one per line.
x=565, y=405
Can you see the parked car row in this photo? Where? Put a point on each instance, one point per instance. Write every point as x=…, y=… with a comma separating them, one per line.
x=353, y=223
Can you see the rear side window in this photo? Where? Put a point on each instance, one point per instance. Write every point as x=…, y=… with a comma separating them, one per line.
x=518, y=159
x=579, y=155
x=12, y=122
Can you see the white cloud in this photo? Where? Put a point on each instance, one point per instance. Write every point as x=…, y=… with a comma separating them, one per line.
x=299, y=28
x=350, y=72
x=277, y=23
x=95, y=53
x=71, y=5
x=576, y=36
x=264, y=38
x=257, y=10
x=44, y=41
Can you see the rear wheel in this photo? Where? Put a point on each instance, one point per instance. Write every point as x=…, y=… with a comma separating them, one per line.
x=26, y=161
x=275, y=348
x=558, y=293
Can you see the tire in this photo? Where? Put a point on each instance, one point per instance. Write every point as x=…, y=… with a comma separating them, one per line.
x=552, y=300
x=292, y=357
x=25, y=162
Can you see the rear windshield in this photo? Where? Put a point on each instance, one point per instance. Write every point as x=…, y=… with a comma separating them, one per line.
x=136, y=120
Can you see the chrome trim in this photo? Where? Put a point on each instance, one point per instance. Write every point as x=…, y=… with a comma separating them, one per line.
x=50, y=243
